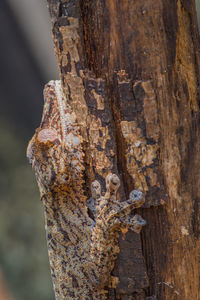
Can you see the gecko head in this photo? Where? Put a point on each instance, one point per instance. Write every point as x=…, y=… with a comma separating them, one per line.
x=51, y=164
x=43, y=139
x=55, y=150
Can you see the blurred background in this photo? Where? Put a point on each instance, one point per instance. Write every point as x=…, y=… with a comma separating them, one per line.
x=27, y=62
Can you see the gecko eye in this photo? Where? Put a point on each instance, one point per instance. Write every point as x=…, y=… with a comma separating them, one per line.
x=47, y=135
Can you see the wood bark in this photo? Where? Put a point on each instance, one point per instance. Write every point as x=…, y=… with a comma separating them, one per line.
x=140, y=61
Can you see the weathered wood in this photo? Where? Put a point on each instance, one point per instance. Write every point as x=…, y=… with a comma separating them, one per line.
x=145, y=55
x=158, y=41
x=88, y=98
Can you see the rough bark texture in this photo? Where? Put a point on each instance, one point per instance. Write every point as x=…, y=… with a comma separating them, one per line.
x=130, y=70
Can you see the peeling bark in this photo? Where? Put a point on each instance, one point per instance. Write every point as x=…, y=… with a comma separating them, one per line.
x=130, y=71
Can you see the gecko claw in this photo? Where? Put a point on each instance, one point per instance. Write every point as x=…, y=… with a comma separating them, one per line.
x=96, y=189
x=112, y=183
x=138, y=223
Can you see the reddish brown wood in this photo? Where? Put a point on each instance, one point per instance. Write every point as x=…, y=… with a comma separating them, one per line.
x=147, y=55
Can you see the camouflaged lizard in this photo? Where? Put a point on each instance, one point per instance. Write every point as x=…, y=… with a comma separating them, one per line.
x=81, y=250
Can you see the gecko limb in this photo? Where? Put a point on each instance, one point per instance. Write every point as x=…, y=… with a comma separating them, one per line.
x=111, y=217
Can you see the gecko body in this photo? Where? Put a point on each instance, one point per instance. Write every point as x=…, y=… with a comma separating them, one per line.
x=81, y=251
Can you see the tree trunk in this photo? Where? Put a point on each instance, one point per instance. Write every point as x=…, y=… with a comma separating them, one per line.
x=130, y=71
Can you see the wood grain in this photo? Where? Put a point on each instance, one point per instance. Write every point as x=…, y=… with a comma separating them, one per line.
x=147, y=55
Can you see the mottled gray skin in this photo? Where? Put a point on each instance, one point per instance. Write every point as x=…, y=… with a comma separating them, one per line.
x=82, y=251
